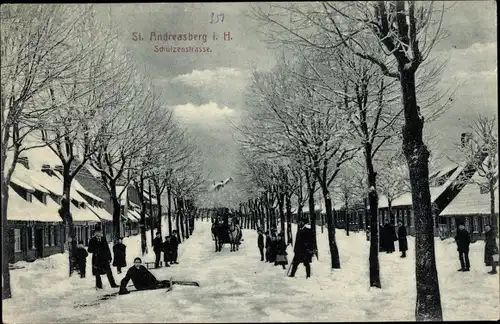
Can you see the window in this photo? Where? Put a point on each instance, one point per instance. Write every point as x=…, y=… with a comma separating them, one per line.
x=17, y=240
x=56, y=235
x=476, y=225
x=452, y=224
x=46, y=236
x=29, y=196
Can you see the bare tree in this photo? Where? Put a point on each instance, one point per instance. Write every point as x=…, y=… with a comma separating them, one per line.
x=34, y=55
x=482, y=141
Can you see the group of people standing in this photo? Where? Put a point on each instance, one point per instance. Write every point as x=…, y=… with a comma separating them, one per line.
x=102, y=257
x=275, y=248
x=490, y=248
x=169, y=247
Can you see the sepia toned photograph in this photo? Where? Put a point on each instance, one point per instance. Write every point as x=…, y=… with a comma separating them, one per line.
x=249, y=162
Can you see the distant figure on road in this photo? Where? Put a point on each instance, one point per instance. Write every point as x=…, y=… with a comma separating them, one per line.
x=157, y=248
x=268, y=246
x=304, y=249
x=490, y=249
x=81, y=259
x=463, y=241
x=142, y=279
x=120, y=255
x=403, y=242
x=101, y=258
x=274, y=245
x=260, y=244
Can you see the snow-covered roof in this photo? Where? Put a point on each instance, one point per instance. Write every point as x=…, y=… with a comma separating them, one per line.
x=446, y=170
x=18, y=209
x=406, y=200
x=153, y=200
x=83, y=214
x=470, y=200
x=78, y=187
x=23, y=177
x=101, y=213
x=133, y=216
x=317, y=207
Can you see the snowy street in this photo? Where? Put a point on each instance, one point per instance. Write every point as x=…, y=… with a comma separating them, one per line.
x=237, y=287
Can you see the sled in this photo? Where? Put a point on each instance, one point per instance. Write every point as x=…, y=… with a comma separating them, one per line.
x=151, y=265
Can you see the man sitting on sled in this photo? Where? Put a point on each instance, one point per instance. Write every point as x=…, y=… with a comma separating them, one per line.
x=141, y=278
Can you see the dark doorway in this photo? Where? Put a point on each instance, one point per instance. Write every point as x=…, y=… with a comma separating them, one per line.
x=39, y=242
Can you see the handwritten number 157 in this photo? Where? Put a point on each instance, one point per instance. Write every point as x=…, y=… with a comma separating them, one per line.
x=218, y=18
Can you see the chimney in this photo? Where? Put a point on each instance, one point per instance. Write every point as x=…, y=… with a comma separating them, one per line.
x=24, y=161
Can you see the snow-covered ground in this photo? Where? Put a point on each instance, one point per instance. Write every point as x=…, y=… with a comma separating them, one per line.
x=237, y=287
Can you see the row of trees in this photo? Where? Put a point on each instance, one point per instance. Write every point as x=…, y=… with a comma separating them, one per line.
x=350, y=90
x=67, y=85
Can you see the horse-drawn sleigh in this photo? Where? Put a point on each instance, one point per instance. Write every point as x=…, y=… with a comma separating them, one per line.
x=223, y=233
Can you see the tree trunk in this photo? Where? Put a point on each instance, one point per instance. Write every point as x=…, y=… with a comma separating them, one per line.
x=6, y=244
x=116, y=210
x=281, y=205
x=140, y=192
x=67, y=217
x=428, y=303
x=389, y=211
x=186, y=215
x=312, y=214
x=289, y=219
x=374, y=265
x=169, y=202
x=334, y=251
x=151, y=217
x=158, y=204
x=494, y=220
x=347, y=218
x=180, y=218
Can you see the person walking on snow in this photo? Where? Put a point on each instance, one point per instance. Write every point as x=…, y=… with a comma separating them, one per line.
x=81, y=259
x=157, y=248
x=141, y=278
x=463, y=241
x=281, y=255
x=120, y=255
x=304, y=249
x=174, y=246
x=101, y=258
x=274, y=245
x=260, y=244
x=490, y=249
x=403, y=242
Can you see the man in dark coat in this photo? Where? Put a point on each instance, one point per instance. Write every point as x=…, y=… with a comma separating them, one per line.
x=403, y=242
x=81, y=259
x=463, y=241
x=490, y=249
x=101, y=258
x=260, y=244
x=304, y=249
x=167, y=251
x=120, y=255
x=381, y=239
x=268, y=246
x=157, y=247
x=389, y=237
x=274, y=245
x=174, y=246
x=142, y=279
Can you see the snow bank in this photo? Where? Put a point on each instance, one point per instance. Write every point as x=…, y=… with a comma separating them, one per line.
x=238, y=287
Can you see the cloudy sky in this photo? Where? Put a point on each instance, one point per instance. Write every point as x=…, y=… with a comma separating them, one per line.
x=207, y=89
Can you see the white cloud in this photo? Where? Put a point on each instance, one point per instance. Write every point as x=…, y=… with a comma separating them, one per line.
x=217, y=77
x=206, y=114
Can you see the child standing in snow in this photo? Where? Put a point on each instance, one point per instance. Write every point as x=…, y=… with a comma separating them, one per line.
x=120, y=255
x=281, y=254
x=81, y=259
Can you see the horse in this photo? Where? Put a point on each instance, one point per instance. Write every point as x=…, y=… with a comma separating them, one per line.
x=220, y=235
x=234, y=237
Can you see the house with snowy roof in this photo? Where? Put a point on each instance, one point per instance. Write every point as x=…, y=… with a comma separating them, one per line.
x=472, y=206
x=35, y=227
